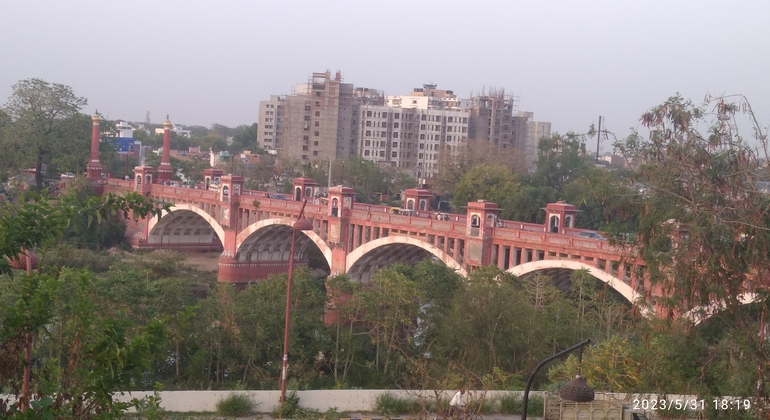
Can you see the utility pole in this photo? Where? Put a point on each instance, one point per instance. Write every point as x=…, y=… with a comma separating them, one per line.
x=598, y=137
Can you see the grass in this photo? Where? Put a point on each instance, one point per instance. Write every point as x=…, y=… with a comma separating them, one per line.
x=236, y=405
x=387, y=405
x=513, y=404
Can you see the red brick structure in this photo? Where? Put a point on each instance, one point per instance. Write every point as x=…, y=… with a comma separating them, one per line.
x=252, y=229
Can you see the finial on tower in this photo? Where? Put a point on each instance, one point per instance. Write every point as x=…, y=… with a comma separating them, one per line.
x=167, y=123
x=96, y=117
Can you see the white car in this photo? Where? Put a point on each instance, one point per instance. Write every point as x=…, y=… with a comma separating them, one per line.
x=592, y=235
x=67, y=175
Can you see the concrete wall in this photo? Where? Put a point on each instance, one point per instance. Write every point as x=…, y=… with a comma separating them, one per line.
x=349, y=400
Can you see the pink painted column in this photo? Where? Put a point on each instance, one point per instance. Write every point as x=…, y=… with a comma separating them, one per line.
x=165, y=172
x=94, y=168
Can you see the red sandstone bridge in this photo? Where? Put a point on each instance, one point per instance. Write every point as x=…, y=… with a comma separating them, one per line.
x=253, y=230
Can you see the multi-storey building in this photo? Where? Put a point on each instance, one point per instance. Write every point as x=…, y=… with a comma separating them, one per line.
x=270, y=120
x=326, y=118
x=528, y=134
x=314, y=122
x=410, y=130
x=492, y=119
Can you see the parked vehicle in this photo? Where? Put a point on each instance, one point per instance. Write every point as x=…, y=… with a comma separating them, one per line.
x=592, y=235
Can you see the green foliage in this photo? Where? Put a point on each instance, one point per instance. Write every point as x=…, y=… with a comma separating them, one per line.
x=236, y=405
x=493, y=183
x=45, y=126
x=388, y=405
x=510, y=404
x=289, y=409
x=608, y=366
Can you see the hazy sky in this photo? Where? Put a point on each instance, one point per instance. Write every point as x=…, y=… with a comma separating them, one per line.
x=207, y=62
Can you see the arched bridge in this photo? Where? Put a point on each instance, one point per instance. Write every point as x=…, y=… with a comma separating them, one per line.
x=252, y=229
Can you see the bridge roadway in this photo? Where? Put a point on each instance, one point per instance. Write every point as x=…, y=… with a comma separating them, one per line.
x=252, y=229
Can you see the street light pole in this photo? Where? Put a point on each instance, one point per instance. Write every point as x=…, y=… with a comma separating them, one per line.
x=301, y=224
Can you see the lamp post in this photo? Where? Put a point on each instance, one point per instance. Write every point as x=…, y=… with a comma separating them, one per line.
x=301, y=224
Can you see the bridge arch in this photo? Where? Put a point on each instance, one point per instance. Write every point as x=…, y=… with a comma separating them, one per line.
x=175, y=221
x=391, y=249
x=700, y=314
x=625, y=290
x=244, y=235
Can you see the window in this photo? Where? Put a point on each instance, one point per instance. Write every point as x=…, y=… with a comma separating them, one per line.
x=304, y=157
x=396, y=115
x=318, y=93
x=366, y=153
x=307, y=107
x=315, y=143
x=368, y=133
x=368, y=113
x=368, y=143
x=395, y=135
x=315, y=153
x=316, y=134
x=305, y=138
x=318, y=113
x=304, y=148
x=382, y=153
x=317, y=123
x=317, y=103
x=394, y=154
x=384, y=134
x=395, y=144
x=368, y=123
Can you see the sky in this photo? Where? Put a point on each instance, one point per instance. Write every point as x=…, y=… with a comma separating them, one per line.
x=569, y=62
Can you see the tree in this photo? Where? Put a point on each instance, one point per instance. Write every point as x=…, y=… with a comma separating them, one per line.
x=704, y=227
x=456, y=161
x=246, y=139
x=45, y=120
x=493, y=183
x=115, y=354
x=560, y=159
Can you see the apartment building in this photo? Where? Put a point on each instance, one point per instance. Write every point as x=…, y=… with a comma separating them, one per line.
x=409, y=130
x=528, y=134
x=326, y=118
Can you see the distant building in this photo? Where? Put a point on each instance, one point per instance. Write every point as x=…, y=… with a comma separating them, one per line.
x=408, y=131
x=328, y=119
x=528, y=134
x=177, y=129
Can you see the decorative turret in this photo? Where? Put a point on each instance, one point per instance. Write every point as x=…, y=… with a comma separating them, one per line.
x=417, y=199
x=304, y=189
x=165, y=172
x=558, y=216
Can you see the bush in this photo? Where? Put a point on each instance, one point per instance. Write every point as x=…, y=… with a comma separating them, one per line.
x=513, y=404
x=236, y=405
x=510, y=404
x=387, y=404
x=535, y=406
x=289, y=408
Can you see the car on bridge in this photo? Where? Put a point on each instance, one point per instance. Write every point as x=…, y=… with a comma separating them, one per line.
x=592, y=235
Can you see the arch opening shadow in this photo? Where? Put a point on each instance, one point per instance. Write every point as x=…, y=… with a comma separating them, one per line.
x=384, y=252
x=185, y=225
x=270, y=241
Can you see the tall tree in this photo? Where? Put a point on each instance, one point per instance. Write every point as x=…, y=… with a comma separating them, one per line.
x=704, y=228
x=456, y=161
x=43, y=121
